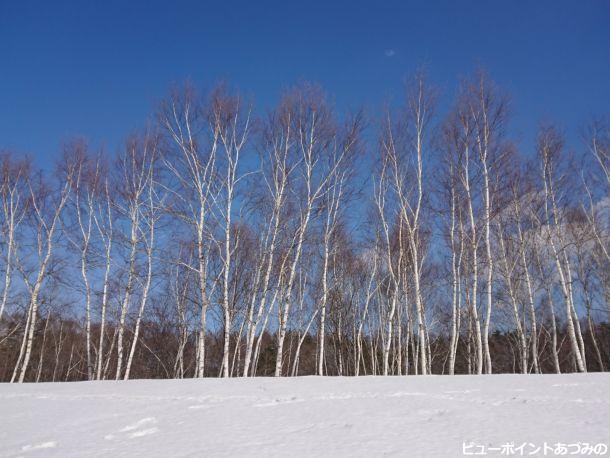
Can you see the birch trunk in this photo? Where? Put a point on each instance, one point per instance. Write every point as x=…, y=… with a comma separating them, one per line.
x=48, y=233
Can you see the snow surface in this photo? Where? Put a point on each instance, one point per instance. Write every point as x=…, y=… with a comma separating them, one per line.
x=305, y=416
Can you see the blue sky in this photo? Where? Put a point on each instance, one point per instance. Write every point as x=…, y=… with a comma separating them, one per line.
x=98, y=68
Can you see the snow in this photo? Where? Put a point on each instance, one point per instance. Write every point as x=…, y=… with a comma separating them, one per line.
x=304, y=416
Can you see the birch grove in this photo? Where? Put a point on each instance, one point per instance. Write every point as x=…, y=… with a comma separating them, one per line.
x=228, y=240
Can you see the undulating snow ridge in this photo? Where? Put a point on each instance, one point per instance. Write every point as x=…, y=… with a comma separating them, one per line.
x=307, y=416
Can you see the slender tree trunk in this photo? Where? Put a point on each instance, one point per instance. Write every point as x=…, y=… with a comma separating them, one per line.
x=144, y=298
x=133, y=242
x=475, y=273
x=489, y=284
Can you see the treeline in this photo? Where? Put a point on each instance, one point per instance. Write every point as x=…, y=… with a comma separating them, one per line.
x=223, y=242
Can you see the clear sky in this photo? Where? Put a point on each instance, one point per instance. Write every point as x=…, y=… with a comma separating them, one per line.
x=98, y=68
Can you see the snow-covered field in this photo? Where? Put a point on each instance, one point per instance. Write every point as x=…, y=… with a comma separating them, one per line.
x=308, y=416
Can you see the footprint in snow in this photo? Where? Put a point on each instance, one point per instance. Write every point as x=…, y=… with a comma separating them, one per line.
x=49, y=444
x=137, y=424
x=144, y=432
x=199, y=407
x=135, y=430
x=279, y=401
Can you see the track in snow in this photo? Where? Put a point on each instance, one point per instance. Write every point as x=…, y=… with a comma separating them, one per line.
x=305, y=416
